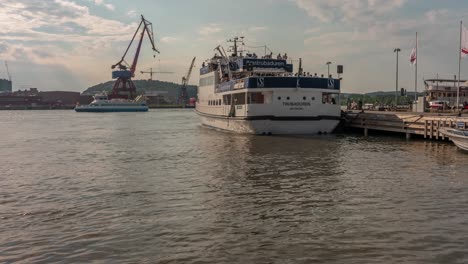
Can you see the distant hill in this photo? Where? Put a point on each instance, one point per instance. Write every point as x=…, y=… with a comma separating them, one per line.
x=172, y=89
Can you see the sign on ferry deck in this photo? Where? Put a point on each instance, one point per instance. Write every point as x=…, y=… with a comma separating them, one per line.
x=264, y=63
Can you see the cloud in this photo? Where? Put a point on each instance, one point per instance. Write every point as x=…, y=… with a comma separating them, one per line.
x=257, y=29
x=434, y=15
x=209, y=29
x=29, y=18
x=104, y=4
x=347, y=10
x=61, y=33
x=132, y=13
x=168, y=39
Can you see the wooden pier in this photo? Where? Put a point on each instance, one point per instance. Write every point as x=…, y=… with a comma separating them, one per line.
x=409, y=123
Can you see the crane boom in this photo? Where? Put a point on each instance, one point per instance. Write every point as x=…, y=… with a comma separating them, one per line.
x=186, y=78
x=183, y=90
x=8, y=71
x=148, y=28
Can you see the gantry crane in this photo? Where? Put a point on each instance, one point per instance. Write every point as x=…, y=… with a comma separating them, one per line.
x=124, y=86
x=183, y=89
x=151, y=72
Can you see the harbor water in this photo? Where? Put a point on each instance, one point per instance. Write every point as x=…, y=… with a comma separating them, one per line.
x=157, y=187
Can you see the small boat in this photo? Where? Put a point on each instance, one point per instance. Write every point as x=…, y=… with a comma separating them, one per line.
x=458, y=136
x=102, y=103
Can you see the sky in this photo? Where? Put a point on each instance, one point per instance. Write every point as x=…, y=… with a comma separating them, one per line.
x=70, y=45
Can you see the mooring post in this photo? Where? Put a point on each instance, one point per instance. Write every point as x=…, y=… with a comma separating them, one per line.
x=443, y=125
x=408, y=135
x=366, y=132
x=425, y=128
x=432, y=128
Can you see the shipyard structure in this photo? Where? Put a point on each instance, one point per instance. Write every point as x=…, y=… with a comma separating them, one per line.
x=34, y=99
x=5, y=85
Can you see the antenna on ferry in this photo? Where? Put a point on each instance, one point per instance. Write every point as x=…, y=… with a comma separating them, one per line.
x=235, y=40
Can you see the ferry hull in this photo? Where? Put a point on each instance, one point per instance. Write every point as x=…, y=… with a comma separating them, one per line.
x=271, y=126
x=108, y=110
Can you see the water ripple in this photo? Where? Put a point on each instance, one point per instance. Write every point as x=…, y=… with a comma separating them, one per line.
x=158, y=188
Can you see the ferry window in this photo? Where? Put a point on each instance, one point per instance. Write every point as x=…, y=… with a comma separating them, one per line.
x=227, y=99
x=303, y=98
x=255, y=98
x=330, y=98
x=287, y=98
x=313, y=98
x=219, y=101
x=279, y=97
x=239, y=98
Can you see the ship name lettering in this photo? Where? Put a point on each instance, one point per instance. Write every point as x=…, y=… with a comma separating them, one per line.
x=296, y=104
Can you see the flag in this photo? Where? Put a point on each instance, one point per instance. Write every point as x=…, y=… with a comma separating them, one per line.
x=413, y=58
x=464, y=42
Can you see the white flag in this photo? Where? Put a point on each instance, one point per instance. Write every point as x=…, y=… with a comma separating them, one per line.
x=464, y=43
x=413, y=58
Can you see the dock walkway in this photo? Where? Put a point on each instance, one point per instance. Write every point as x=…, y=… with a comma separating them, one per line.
x=408, y=123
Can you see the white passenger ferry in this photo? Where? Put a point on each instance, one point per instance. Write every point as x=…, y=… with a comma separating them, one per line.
x=247, y=94
x=102, y=103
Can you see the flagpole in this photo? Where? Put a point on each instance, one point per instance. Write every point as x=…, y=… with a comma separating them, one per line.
x=459, y=65
x=416, y=72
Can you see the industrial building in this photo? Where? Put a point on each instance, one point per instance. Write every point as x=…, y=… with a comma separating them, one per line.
x=34, y=99
x=5, y=85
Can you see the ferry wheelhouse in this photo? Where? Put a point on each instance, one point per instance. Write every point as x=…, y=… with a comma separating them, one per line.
x=247, y=94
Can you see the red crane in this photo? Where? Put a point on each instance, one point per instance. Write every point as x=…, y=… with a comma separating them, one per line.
x=124, y=86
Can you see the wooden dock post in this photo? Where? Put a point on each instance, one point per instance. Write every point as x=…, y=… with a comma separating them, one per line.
x=366, y=132
x=425, y=128
x=408, y=136
x=431, y=128
x=443, y=125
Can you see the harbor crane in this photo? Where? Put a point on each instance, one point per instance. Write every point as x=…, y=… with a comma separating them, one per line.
x=183, y=89
x=124, y=86
x=151, y=72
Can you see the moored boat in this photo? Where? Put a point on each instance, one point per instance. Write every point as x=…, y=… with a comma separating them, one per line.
x=458, y=136
x=253, y=95
x=102, y=103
